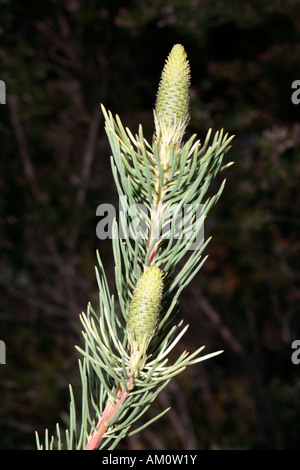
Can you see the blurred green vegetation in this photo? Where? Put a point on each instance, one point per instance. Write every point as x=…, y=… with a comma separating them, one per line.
x=59, y=61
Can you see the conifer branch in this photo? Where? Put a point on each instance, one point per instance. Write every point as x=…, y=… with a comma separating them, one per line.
x=128, y=340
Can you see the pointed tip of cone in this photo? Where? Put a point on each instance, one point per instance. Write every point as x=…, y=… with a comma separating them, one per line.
x=173, y=97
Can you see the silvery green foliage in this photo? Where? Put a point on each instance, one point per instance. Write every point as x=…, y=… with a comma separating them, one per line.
x=161, y=174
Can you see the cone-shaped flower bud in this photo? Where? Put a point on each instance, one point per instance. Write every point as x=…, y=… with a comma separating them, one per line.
x=145, y=305
x=173, y=97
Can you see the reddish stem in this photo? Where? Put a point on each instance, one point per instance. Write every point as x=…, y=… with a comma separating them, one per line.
x=110, y=411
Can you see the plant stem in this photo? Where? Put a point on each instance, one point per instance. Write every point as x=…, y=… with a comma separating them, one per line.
x=155, y=220
x=156, y=216
x=110, y=411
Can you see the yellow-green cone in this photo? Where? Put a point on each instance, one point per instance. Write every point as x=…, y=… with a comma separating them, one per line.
x=173, y=97
x=145, y=305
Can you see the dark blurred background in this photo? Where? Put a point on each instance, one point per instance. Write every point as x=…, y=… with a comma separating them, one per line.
x=59, y=61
